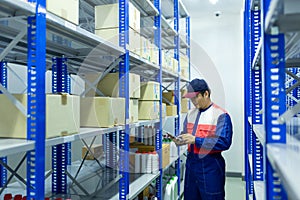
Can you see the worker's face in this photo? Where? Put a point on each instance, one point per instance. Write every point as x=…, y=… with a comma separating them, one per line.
x=201, y=101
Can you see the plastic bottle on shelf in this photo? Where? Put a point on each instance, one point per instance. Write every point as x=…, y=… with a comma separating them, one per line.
x=137, y=161
x=18, y=197
x=168, y=192
x=143, y=162
x=8, y=196
x=175, y=187
x=173, y=149
x=149, y=163
x=155, y=162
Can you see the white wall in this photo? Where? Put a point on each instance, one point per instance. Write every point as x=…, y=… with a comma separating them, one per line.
x=217, y=56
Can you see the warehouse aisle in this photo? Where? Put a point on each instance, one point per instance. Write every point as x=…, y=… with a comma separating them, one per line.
x=235, y=189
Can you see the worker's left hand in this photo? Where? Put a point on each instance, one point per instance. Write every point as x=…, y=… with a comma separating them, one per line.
x=187, y=138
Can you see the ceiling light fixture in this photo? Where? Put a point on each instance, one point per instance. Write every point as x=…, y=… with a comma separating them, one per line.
x=213, y=1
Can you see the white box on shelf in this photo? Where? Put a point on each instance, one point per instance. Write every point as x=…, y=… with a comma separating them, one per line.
x=150, y=91
x=118, y=110
x=112, y=35
x=133, y=110
x=62, y=116
x=96, y=112
x=67, y=9
x=107, y=16
x=109, y=85
x=148, y=110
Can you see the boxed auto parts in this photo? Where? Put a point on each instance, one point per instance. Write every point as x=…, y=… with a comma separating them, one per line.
x=62, y=116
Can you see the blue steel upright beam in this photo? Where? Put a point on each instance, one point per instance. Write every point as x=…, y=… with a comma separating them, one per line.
x=36, y=103
x=3, y=81
x=158, y=139
x=275, y=105
x=247, y=96
x=177, y=83
x=124, y=92
x=60, y=152
x=256, y=86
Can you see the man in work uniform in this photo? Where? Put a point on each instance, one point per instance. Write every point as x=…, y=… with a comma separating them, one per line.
x=208, y=132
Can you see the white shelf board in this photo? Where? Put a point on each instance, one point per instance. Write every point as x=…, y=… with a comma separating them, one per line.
x=285, y=160
x=259, y=130
x=260, y=190
x=12, y=146
x=138, y=185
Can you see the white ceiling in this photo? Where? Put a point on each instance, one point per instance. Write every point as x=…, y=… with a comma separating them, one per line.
x=197, y=8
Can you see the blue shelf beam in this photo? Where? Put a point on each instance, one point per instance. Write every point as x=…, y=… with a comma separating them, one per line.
x=3, y=82
x=36, y=104
x=61, y=155
x=124, y=92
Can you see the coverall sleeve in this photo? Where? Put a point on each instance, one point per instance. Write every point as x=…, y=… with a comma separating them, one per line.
x=223, y=135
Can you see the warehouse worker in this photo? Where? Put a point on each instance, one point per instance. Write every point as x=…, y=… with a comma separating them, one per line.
x=208, y=132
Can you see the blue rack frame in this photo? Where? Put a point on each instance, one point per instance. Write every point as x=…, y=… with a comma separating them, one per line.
x=247, y=95
x=177, y=84
x=3, y=81
x=36, y=103
x=158, y=139
x=61, y=154
x=124, y=92
x=266, y=86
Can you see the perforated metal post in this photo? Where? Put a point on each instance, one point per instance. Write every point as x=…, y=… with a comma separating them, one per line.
x=158, y=136
x=177, y=83
x=3, y=81
x=248, y=96
x=275, y=105
x=36, y=103
x=60, y=152
x=124, y=92
x=256, y=82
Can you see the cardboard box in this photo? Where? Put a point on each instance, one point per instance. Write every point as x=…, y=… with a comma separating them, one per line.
x=150, y=91
x=62, y=116
x=184, y=105
x=172, y=110
x=96, y=112
x=148, y=110
x=133, y=110
x=107, y=16
x=118, y=110
x=96, y=149
x=67, y=9
x=168, y=97
x=109, y=85
x=112, y=35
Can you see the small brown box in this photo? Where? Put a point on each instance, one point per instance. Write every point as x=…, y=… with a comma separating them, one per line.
x=97, y=151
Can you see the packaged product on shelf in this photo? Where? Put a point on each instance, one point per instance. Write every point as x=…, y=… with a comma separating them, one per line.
x=118, y=110
x=67, y=9
x=112, y=35
x=148, y=110
x=62, y=116
x=184, y=105
x=107, y=16
x=171, y=110
x=109, y=85
x=96, y=149
x=96, y=112
x=133, y=110
x=150, y=91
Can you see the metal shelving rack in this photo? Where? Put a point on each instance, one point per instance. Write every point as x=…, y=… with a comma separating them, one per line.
x=14, y=49
x=272, y=99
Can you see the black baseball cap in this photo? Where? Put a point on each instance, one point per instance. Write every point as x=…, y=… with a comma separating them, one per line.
x=195, y=87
